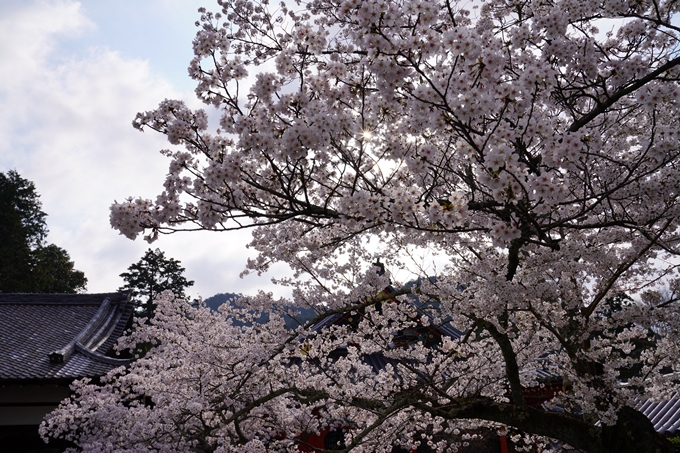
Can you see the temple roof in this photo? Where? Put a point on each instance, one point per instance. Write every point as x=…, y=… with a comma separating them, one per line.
x=665, y=415
x=60, y=337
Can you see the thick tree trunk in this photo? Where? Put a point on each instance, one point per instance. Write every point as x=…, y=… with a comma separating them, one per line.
x=633, y=432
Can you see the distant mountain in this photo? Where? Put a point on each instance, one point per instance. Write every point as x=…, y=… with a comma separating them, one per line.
x=303, y=315
x=215, y=301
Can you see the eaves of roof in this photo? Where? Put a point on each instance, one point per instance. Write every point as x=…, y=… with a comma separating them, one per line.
x=664, y=415
x=60, y=337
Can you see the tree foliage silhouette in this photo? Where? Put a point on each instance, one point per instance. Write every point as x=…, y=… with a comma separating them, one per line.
x=26, y=263
x=150, y=276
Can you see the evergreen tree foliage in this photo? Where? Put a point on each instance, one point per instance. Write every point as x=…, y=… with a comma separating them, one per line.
x=150, y=276
x=54, y=273
x=26, y=263
x=19, y=199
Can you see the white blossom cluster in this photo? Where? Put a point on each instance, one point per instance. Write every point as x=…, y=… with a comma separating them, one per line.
x=208, y=384
x=532, y=145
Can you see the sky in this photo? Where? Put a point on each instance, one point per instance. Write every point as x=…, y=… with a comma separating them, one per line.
x=72, y=77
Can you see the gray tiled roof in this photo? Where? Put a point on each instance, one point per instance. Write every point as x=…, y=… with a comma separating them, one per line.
x=665, y=415
x=60, y=336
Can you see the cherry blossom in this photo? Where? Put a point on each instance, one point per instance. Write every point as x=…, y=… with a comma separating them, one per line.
x=532, y=145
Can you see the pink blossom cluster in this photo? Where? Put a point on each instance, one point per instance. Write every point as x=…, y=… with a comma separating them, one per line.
x=531, y=146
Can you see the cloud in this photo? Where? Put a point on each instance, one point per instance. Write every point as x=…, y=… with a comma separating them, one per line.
x=27, y=35
x=65, y=124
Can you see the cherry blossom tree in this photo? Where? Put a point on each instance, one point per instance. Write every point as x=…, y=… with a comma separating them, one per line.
x=531, y=144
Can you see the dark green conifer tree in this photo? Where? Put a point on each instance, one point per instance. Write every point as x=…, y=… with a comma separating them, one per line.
x=150, y=276
x=26, y=263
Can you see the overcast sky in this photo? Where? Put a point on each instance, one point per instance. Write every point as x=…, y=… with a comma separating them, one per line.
x=72, y=77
